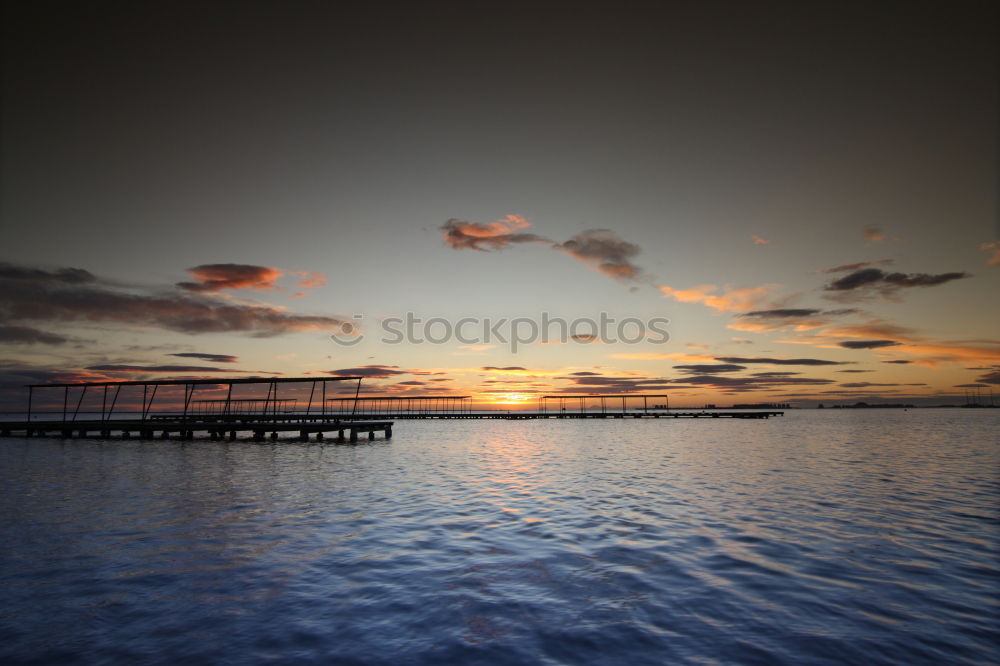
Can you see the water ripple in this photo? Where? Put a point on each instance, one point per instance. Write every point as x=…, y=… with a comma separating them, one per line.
x=816, y=538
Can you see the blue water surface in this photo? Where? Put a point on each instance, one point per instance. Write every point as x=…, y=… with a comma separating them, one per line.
x=847, y=536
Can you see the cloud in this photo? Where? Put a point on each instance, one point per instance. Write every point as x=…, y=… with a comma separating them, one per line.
x=606, y=252
x=778, y=361
x=874, y=234
x=25, y=335
x=658, y=356
x=14, y=375
x=28, y=294
x=509, y=368
x=369, y=371
x=217, y=358
x=608, y=384
x=310, y=279
x=869, y=282
x=601, y=249
x=867, y=344
x=990, y=377
x=741, y=384
x=993, y=247
x=855, y=266
x=799, y=319
x=113, y=367
x=488, y=236
x=730, y=300
x=757, y=240
x=709, y=368
x=61, y=275
x=854, y=371
x=928, y=352
x=216, y=277
x=782, y=312
x=899, y=361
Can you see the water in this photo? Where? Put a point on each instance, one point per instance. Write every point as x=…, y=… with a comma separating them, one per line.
x=821, y=537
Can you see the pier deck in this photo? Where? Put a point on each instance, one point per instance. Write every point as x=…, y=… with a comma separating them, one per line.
x=165, y=427
x=268, y=417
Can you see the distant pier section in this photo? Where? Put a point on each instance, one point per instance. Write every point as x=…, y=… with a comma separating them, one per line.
x=559, y=406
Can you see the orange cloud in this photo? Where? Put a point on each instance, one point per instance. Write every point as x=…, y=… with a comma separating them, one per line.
x=310, y=279
x=757, y=240
x=926, y=352
x=874, y=234
x=216, y=277
x=730, y=300
x=994, y=259
x=658, y=356
x=486, y=236
x=760, y=326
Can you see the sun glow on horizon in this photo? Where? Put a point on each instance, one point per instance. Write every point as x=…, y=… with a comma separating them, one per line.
x=507, y=398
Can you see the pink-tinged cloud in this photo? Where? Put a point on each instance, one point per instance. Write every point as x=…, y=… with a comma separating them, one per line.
x=994, y=249
x=217, y=277
x=729, y=300
x=757, y=240
x=488, y=236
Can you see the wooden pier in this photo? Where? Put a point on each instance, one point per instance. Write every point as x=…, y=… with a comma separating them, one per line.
x=165, y=428
x=224, y=420
x=340, y=418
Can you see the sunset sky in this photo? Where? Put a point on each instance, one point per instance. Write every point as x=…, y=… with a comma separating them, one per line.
x=806, y=191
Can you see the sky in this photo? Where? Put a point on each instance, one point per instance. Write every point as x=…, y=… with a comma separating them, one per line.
x=787, y=202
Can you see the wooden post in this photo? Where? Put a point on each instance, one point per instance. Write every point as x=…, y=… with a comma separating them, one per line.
x=354, y=411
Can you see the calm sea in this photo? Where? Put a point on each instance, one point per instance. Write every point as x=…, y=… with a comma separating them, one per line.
x=862, y=537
